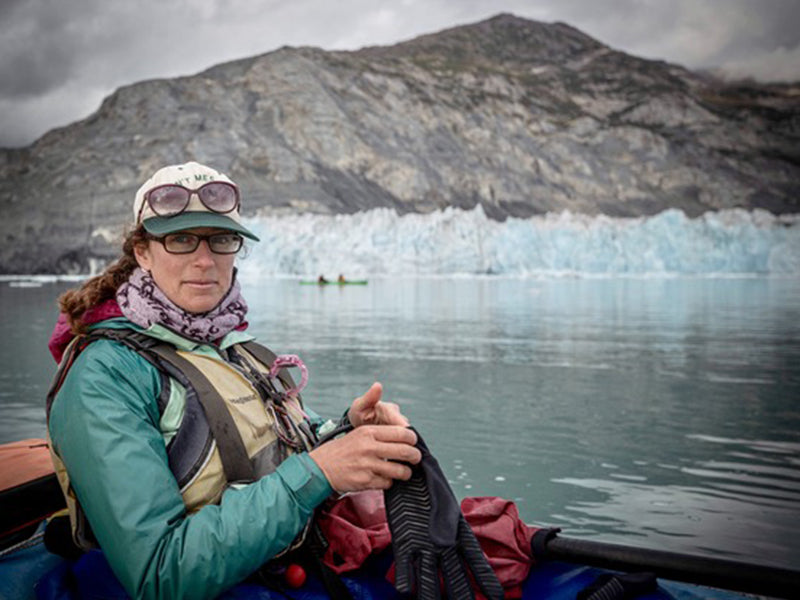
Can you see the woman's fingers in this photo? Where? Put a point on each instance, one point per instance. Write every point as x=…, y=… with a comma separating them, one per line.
x=369, y=457
x=393, y=470
x=386, y=442
x=363, y=410
x=369, y=409
x=390, y=434
x=389, y=414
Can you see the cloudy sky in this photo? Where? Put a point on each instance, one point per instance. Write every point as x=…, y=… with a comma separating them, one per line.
x=60, y=58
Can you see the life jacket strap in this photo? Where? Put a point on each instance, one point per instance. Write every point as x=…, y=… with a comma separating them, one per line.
x=232, y=452
x=235, y=462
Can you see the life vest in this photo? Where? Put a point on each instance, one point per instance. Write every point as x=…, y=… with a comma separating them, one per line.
x=239, y=423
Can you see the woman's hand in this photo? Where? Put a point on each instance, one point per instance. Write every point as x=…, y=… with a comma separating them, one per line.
x=370, y=410
x=368, y=457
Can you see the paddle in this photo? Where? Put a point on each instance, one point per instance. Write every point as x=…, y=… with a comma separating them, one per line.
x=713, y=572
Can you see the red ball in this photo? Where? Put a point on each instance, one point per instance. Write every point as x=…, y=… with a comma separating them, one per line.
x=295, y=575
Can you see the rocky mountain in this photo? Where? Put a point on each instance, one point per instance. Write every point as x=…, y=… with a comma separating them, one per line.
x=518, y=116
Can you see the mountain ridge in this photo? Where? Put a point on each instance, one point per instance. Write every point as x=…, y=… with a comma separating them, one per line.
x=517, y=116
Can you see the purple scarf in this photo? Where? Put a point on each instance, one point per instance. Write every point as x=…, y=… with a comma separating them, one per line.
x=143, y=302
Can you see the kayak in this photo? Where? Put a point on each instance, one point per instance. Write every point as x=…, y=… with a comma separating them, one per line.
x=554, y=580
x=346, y=282
x=561, y=569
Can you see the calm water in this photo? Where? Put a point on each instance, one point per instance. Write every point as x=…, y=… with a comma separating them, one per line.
x=660, y=413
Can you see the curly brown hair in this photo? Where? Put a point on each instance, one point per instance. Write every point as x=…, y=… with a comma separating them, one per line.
x=75, y=302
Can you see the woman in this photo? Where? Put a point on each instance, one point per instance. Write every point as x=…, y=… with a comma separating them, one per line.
x=140, y=462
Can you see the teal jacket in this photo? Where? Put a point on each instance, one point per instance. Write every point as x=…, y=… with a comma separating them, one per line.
x=106, y=427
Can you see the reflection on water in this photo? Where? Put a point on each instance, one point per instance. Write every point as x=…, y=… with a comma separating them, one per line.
x=662, y=413
x=29, y=311
x=707, y=505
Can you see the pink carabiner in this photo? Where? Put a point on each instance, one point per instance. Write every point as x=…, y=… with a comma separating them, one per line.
x=290, y=360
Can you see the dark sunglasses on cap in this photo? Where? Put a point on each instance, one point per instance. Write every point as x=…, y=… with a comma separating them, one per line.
x=172, y=199
x=186, y=243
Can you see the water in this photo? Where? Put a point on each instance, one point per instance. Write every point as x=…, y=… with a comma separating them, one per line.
x=663, y=413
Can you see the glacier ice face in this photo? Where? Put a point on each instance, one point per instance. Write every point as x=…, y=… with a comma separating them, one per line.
x=457, y=242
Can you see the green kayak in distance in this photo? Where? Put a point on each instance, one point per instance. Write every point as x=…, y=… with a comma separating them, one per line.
x=346, y=282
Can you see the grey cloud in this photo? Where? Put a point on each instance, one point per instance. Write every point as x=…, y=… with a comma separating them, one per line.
x=766, y=26
x=9, y=9
x=36, y=56
x=781, y=64
x=52, y=51
x=26, y=74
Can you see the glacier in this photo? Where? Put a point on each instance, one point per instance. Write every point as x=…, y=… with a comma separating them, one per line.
x=455, y=242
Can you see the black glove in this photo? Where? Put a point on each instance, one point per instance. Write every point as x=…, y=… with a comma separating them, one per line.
x=430, y=537
x=618, y=587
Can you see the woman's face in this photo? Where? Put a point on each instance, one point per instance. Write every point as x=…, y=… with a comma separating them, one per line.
x=196, y=282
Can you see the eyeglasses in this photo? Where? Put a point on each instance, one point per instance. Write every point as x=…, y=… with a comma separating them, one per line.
x=186, y=243
x=172, y=199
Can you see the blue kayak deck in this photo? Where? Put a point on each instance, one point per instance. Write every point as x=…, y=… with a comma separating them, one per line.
x=558, y=580
x=91, y=576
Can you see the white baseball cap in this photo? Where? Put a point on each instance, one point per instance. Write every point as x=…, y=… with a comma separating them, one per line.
x=191, y=176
